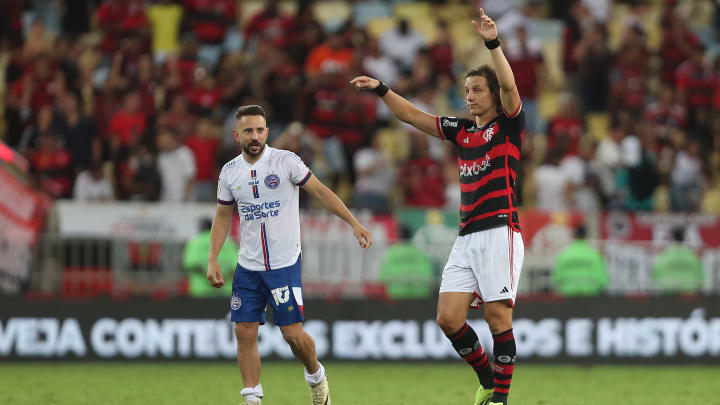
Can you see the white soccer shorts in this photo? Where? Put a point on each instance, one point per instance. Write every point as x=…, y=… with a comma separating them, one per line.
x=485, y=263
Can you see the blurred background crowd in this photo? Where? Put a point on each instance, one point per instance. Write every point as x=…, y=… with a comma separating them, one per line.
x=135, y=99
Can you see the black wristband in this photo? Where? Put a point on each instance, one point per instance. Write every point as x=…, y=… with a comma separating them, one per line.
x=492, y=44
x=381, y=89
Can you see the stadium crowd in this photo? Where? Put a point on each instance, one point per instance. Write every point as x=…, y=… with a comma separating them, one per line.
x=135, y=99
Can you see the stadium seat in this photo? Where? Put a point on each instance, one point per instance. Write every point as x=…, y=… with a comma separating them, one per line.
x=413, y=11
x=377, y=26
x=332, y=14
x=364, y=12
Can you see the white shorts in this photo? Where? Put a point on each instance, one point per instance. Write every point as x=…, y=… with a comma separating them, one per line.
x=485, y=263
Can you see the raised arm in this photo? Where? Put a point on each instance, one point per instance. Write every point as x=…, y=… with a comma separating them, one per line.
x=509, y=96
x=334, y=204
x=404, y=110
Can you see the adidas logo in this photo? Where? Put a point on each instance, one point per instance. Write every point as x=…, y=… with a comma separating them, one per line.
x=504, y=290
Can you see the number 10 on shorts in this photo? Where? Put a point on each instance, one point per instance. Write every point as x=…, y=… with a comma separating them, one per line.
x=281, y=295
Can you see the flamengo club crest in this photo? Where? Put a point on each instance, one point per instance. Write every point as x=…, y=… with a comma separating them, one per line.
x=272, y=181
x=488, y=134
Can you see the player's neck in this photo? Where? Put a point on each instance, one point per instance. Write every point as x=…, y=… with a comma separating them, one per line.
x=253, y=159
x=483, y=119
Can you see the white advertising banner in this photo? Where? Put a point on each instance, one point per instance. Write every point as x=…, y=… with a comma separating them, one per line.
x=130, y=220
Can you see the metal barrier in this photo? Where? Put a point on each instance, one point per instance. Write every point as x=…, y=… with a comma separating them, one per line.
x=331, y=268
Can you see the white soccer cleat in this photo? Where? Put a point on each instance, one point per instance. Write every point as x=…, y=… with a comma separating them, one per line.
x=251, y=402
x=320, y=392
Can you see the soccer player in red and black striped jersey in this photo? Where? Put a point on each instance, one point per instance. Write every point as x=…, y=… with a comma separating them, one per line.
x=486, y=258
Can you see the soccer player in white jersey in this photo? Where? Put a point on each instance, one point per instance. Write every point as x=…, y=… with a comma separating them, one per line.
x=264, y=183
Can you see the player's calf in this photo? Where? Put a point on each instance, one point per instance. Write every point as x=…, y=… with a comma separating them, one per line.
x=467, y=345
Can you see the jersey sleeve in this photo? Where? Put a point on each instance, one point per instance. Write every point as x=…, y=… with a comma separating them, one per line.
x=515, y=124
x=297, y=170
x=450, y=127
x=224, y=195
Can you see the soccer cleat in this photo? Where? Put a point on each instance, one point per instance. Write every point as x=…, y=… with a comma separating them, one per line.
x=250, y=402
x=483, y=396
x=320, y=392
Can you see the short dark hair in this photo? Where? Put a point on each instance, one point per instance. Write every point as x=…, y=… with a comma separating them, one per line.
x=678, y=234
x=252, y=109
x=492, y=81
x=580, y=231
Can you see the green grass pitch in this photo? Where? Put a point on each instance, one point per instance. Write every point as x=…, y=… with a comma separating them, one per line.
x=350, y=384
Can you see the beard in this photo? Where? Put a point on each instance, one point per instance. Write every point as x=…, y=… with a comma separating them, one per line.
x=246, y=148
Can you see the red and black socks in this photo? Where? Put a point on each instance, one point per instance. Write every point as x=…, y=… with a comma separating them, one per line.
x=467, y=344
x=504, y=351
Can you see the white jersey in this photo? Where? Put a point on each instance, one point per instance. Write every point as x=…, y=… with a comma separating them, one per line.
x=267, y=196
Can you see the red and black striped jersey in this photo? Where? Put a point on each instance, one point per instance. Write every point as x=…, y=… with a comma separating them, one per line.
x=489, y=159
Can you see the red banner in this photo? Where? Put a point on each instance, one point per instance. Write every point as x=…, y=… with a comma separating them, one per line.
x=22, y=216
x=700, y=230
x=545, y=231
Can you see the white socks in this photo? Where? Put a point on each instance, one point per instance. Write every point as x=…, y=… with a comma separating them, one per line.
x=252, y=393
x=313, y=379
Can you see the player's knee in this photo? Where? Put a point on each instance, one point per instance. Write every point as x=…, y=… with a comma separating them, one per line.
x=245, y=333
x=449, y=324
x=498, y=322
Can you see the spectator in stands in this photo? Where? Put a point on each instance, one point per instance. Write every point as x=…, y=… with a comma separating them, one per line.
x=593, y=59
x=441, y=51
x=379, y=65
x=36, y=88
x=118, y=19
x=677, y=44
x=137, y=174
x=210, y=21
x=205, y=95
x=606, y=162
x=38, y=41
x=566, y=127
x=176, y=165
x=373, y=178
x=405, y=269
x=165, y=18
x=53, y=164
x=665, y=115
x=678, y=268
x=195, y=259
x=77, y=22
x=629, y=71
x=421, y=177
x=334, y=55
x=695, y=82
x=128, y=124
x=281, y=83
x=45, y=123
x=579, y=268
x=178, y=119
x=269, y=24
x=637, y=179
x=402, y=44
x=92, y=185
x=553, y=189
x=80, y=134
x=686, y=181
x=204, y=144
x=525, y=56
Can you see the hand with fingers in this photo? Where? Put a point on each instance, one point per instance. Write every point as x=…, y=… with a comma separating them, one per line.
x=365, y=83
x=214, y=274
x=363, y=236
x=485, y=27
